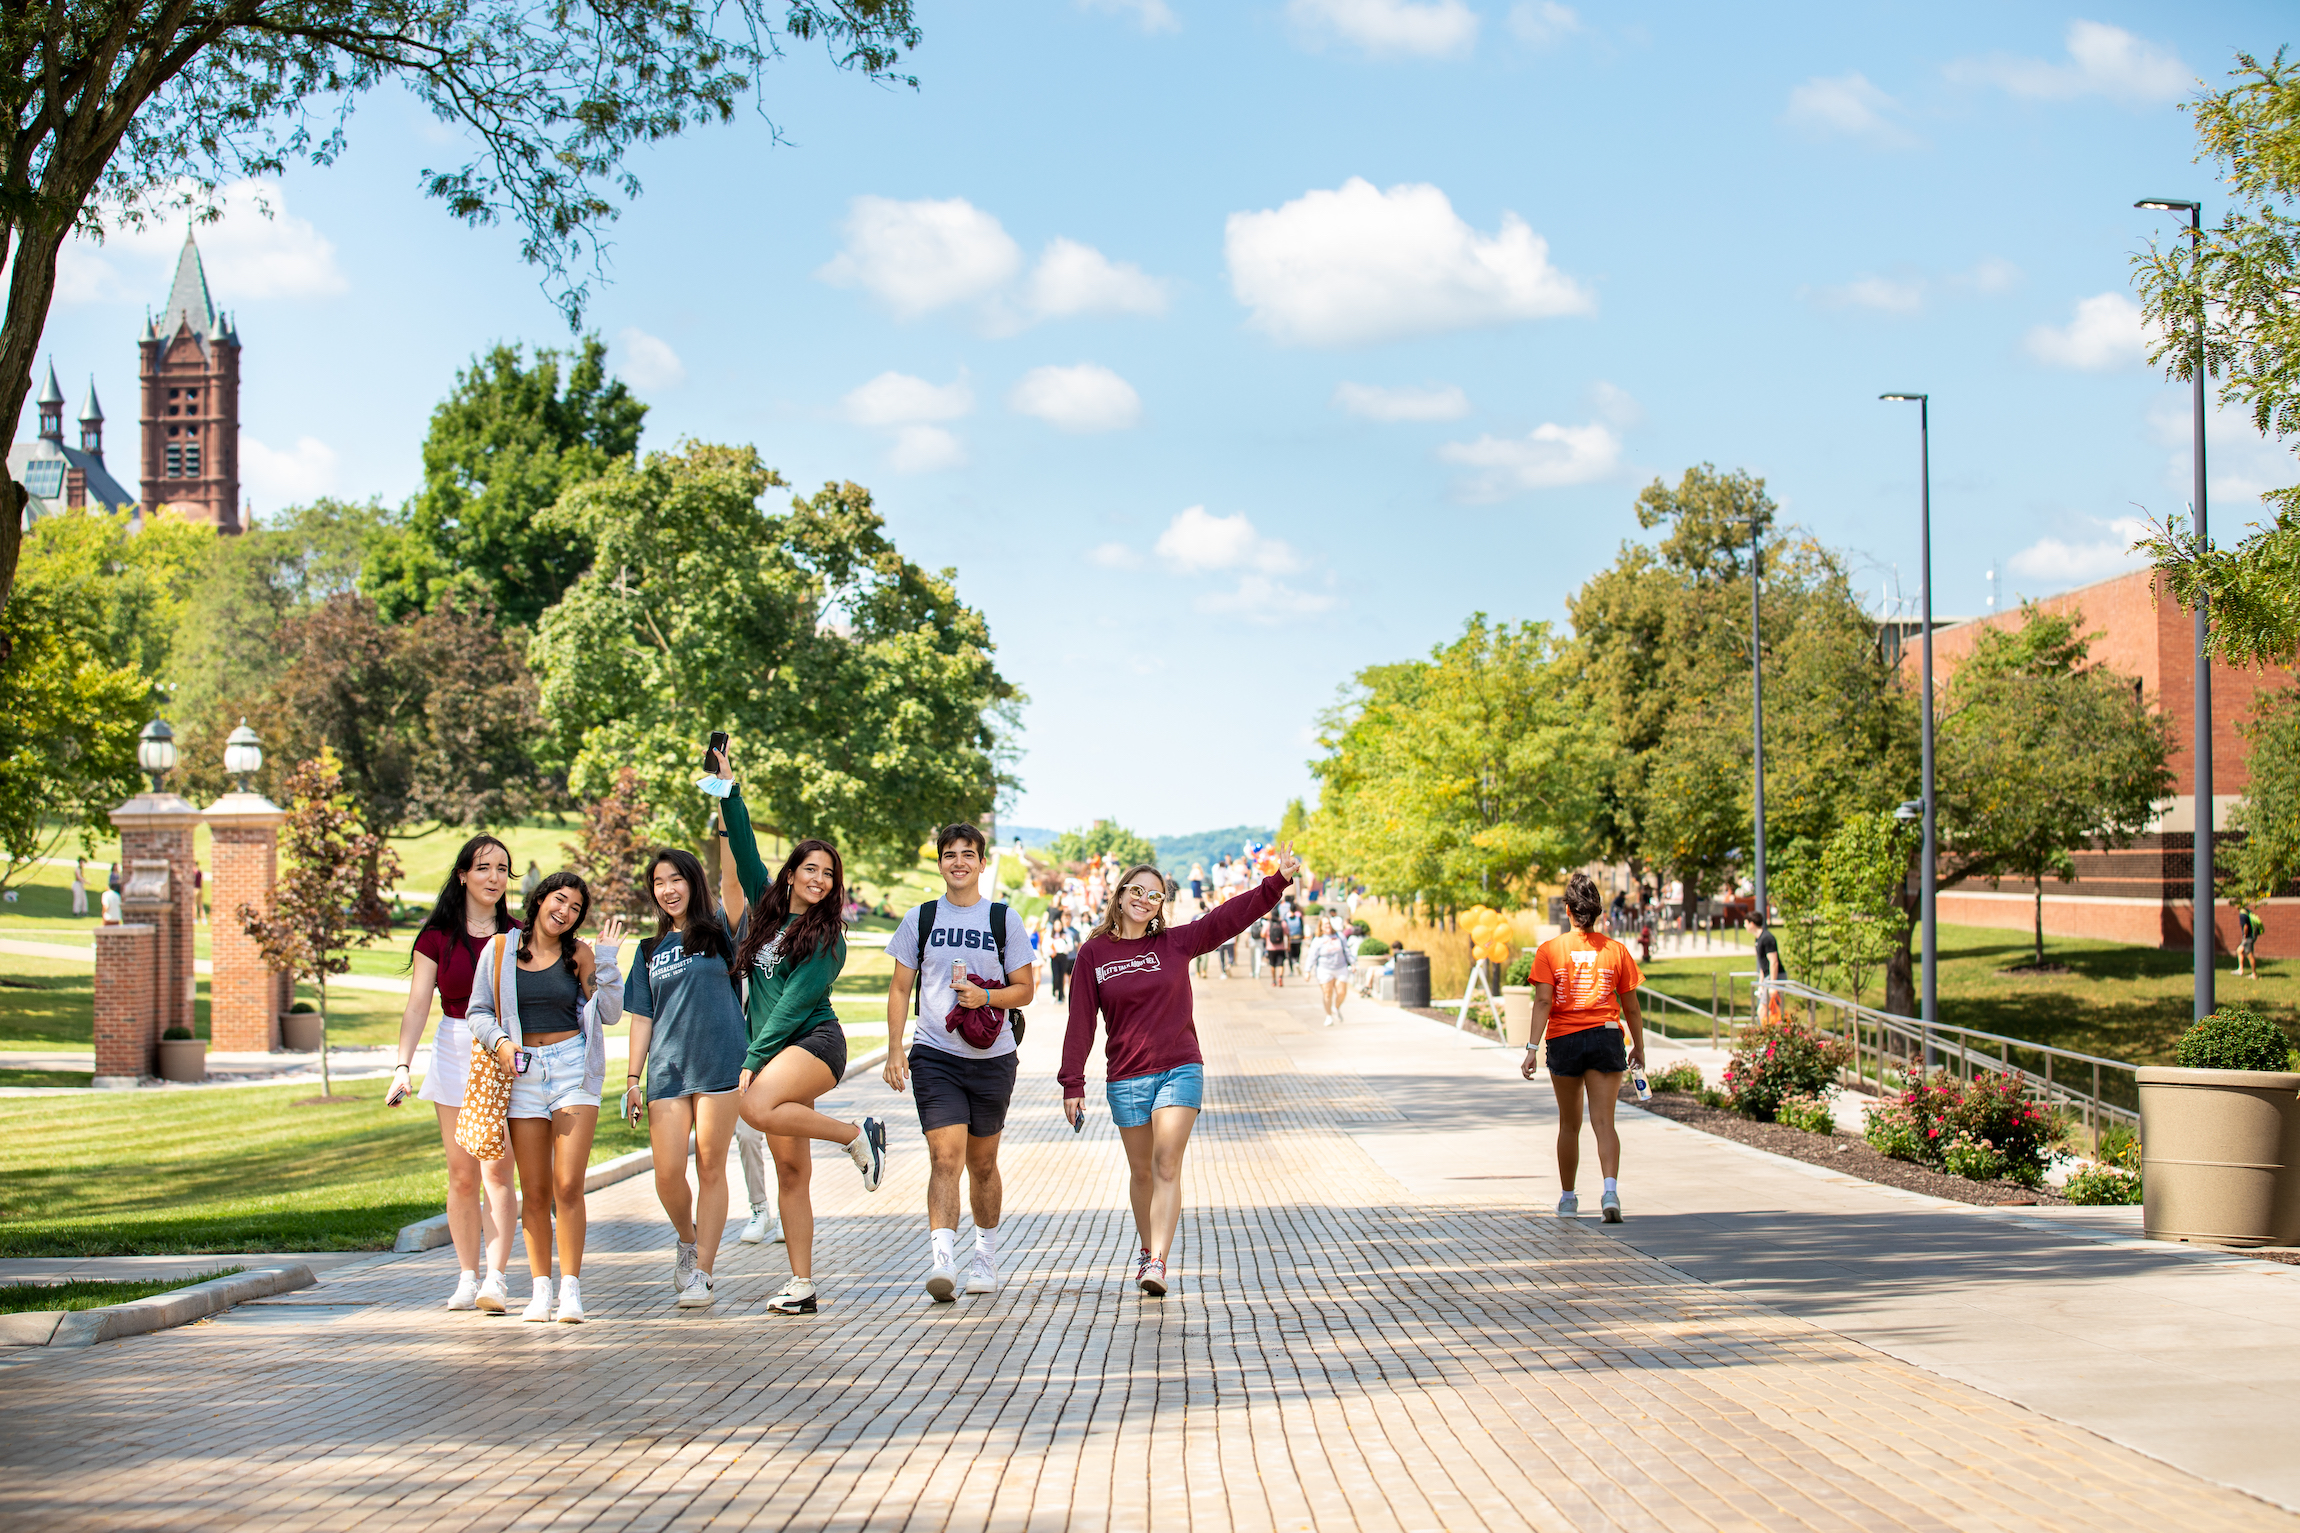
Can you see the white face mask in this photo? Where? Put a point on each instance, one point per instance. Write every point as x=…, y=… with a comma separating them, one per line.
x=717, y=787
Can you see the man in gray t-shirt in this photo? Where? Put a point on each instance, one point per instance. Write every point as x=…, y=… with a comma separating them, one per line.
x=962, y=1091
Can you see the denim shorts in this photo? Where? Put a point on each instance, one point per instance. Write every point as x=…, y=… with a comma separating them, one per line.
x=1135, y=1098
x=554, y=1080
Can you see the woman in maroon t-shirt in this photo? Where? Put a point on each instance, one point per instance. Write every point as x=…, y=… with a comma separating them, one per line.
x=1135, y=971
x=470, y=910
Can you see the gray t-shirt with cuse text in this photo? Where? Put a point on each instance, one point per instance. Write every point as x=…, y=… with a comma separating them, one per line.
x=960, y=932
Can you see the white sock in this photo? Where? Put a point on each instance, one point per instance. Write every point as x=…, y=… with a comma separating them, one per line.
x=943, y=1241
x=799, y=1287
x=1613, y=1184
x=986, y=1242
x=495, y=1274
x=471, y=1274
x=543, y=1287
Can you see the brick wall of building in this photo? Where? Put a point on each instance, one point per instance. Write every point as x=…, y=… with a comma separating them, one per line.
x=127, y=960
x=243, y=992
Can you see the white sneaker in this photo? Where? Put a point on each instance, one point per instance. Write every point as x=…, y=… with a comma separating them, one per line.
x=493, y=1298
x=1568, y=1205
x=538, y=1302
x=756, y=1230
x=982, y=1277
x=683, y=1269
x=942, y=1282
x=697, y=1293
x=466, y=1295
x=1611, y=1205
x=1329, y=1022
x=777, y=1235
x=570, y=1310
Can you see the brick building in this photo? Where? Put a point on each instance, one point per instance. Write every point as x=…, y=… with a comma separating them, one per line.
x=2140, y=893
x=190, y=376
x=59, y=475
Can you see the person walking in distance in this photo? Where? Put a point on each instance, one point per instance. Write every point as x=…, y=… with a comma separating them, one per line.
x=1584, y=1007
x=1274, y=944
x=79, y=886
x=1329, y=959
x=969, y=965
x=1769, y=969
x=1134, y=974
x=791, y=946
x=545, y=1026
x=2249, y=926
x=1064, y=945
x=481, y=1206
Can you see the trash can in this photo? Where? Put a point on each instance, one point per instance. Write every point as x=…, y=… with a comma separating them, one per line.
x=1413, y=978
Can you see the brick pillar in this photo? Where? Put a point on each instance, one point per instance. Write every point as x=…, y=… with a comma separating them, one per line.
x=245, y=997
x=157, y=827
x=126, y=960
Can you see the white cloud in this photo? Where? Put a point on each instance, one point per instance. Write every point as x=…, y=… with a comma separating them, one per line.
x=1072, y=278
x=1844, y=106
x=2106, y=333
x=898, y=399
x=1440, y=402
x=1259, y=599
x=1083, y=398
x=2240, y=463
x=1114, y=556
x=1429, y=28
x=2060, y=563
x=923, y=449
x=916, y=257
x=2102, y=61
x=284, y=477
x=1893, y=295
x=649, y=362
x=1336, y=268
x=247, y=255
x=1616, y=405
x=1544, y=458
x=1543, y=22
x=1196, y=542
x=1150, y=15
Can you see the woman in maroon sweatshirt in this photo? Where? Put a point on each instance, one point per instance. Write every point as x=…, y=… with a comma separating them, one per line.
x=1135, y=970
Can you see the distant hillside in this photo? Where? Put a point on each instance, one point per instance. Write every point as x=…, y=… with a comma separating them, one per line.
x=1176, y=853
x=1028, y=835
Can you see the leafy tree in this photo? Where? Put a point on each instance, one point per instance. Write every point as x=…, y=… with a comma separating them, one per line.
x=126, y=107
x=508, y=442
x=2242, y=279
x=1106, y=839
x=68, y=724
x=860, y=688
x=614, y=849
x=326, y=903
x=1843, y=914
x=1461, y=777
x=2041, y=751
x=2267, y=860
x=128, y=590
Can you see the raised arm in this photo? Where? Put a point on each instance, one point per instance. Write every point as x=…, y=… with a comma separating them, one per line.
x=1234, y=915
x=751, y=872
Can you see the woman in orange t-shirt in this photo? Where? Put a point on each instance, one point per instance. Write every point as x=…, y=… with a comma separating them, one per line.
x=1585, y=1019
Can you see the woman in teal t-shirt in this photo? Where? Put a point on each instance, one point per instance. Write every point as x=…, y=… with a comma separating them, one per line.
x=790, y=947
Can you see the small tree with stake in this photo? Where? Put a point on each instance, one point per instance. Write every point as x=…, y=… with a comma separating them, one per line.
x=321, y=911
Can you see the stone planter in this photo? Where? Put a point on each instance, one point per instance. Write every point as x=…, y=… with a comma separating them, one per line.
x=300, y=1031
x=1517, y=1014
x=183, y=1059
x=2220, y=1156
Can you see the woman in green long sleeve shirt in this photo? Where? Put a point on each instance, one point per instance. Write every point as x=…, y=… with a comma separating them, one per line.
x=790, y=947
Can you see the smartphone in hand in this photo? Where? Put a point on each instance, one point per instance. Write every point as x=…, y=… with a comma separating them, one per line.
x=716, y=747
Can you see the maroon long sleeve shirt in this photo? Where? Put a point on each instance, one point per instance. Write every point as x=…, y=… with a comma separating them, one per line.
x=1142, y=990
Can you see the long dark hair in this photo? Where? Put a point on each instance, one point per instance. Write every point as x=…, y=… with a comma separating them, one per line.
x=705, y=932
x=552, y=884
x=822, y=923
x=1582, y=901
x=447, y=913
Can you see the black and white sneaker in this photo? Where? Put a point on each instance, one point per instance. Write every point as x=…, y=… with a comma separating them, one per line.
x=868, y=1151
x=797, y=1298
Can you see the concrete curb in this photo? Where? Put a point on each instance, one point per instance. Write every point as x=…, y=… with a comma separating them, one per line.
x=163, y=1311
x=429, y=1234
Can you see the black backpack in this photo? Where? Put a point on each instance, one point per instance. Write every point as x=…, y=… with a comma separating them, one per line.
x=997, y=937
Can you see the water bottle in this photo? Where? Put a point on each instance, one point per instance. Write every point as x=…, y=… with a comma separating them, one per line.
x=1637, y=1079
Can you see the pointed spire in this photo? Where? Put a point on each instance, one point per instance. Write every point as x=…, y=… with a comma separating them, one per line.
x=188, y=301
x=91, y=413
x=53, y=394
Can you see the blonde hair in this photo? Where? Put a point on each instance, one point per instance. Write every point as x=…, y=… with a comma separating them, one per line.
x=1109, y=926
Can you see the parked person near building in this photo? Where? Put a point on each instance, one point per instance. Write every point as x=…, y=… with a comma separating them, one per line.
x=79, y=886
x=469, y=912
x=545, y=1025
x=1586, y=1021
x=960, y=1063
x=1134, y=974
x=791, y=946
x=2249, y=926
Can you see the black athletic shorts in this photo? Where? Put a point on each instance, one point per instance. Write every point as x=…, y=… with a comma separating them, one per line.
x=1603, y=1049
x=950, y=1089
x=827, y=1043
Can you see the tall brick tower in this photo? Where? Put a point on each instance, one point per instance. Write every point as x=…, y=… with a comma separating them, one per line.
x=191, y=414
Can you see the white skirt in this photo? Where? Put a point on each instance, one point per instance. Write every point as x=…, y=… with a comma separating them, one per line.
x=450, y=1063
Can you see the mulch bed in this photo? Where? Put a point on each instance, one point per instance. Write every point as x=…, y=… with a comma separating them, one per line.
x=1839, y=1152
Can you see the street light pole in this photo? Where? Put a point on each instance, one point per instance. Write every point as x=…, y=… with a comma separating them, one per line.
x=1929, y=1008
x=2202, y=905
x=1757, y=715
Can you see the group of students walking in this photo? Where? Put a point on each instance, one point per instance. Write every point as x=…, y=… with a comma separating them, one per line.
x=733, y=1032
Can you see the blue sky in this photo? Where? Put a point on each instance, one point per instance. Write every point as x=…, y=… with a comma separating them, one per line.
x=1224, y=350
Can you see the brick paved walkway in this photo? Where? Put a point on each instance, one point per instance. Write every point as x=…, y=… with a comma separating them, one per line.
x=1336, y=1357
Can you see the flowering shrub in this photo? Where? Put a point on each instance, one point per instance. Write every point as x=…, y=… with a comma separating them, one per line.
x=1806, y=1110
x=1983, y=1130
x=2115, y=1177
x=1777, y=1058
x=1681, y=1076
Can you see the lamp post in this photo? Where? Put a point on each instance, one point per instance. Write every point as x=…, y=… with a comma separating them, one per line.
x=156, y=751
x=1757, y=719
x=1928, y=1006
x=2201, y=899
x=243, y=755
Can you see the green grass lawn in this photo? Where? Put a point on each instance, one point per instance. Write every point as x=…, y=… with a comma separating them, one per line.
x=95, y=1293
x=2119, y=1002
